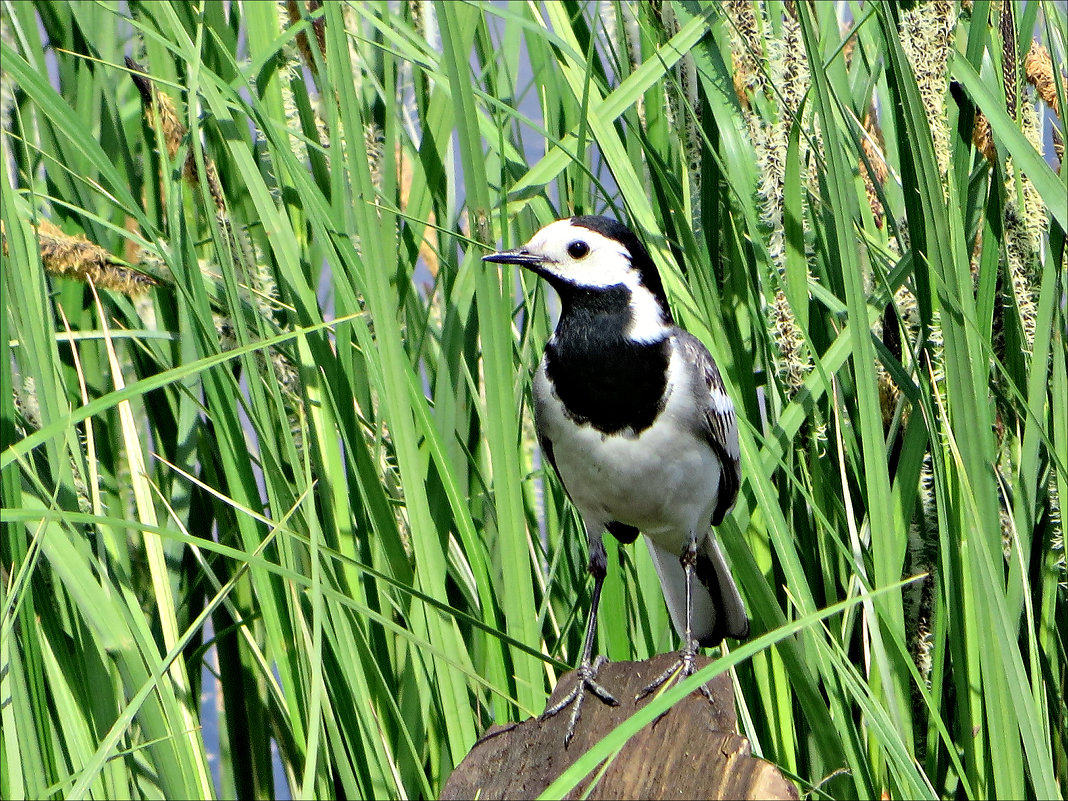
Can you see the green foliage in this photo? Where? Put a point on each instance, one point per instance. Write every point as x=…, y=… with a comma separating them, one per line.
x=297, y=474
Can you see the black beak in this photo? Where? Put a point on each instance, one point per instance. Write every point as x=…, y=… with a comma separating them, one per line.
x=524, y=258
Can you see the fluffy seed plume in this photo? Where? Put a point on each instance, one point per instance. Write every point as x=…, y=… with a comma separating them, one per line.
x=790, y=77
x=982, y=137
x=746, y=46
x=76, y=257
x=1038, y=69
x=926, y=38
x=162, y=116
x=318, y=27
x=1007, y=29
x=1024, y=220
x=683, y=110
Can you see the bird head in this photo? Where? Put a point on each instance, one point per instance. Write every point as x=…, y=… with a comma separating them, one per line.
x=584, y=258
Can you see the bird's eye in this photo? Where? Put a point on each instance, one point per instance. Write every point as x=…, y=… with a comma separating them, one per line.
x=578, y=249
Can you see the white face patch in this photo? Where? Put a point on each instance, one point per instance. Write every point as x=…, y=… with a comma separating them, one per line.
x=585, y=258
x=646, y=318
x=604, y=263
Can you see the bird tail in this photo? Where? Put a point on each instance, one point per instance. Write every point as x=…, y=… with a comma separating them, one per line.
x=718, y=610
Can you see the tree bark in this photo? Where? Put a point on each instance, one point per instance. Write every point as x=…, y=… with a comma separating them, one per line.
x=692, y=751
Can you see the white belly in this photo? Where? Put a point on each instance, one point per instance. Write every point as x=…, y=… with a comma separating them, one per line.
x=663, y=481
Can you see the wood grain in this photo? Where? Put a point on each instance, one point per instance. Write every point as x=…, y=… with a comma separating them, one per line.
x=692, y=751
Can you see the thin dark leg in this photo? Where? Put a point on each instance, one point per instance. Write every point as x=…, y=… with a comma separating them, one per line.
x=586, y=679
x=689, y=649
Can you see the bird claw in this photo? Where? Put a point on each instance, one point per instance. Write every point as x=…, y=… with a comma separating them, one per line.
x=685, y=666
x=586, y=681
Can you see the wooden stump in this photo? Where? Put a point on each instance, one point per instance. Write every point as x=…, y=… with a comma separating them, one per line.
x=690, y=752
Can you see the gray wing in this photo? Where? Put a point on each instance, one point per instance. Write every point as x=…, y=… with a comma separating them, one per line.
x=544, y=442
x=719, y=425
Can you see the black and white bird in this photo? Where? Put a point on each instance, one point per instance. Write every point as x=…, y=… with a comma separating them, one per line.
x=631, y=412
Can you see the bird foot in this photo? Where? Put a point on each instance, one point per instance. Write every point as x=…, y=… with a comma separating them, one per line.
x=684, y=666
x=586, y=681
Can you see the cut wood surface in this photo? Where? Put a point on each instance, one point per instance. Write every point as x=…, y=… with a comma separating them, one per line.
x=690, y=752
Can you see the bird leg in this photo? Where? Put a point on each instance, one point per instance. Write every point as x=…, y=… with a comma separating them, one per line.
x=685, y=662
x=586, y=673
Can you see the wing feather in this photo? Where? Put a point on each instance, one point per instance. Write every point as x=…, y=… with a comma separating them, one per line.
x=718, y=423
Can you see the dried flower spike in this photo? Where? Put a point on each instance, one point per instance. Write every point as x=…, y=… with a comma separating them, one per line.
x=78, y=258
